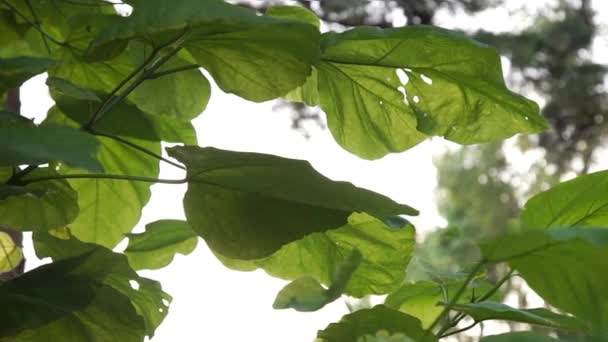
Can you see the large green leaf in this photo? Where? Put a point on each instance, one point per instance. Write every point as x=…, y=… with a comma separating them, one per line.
x=11, y=255
x=14, y=71
x=21, y=142
x=80, y=299
x=110, y=208
x=483, y=311
x=247, y=205
x=307, y=294
x=581, y=202
x=59, y=244
x=520, y=336
x=39, y=205
x=162, y=240
x=386, y=252
x=453, y=88
x=565, y=266
x=370, y=321
x=421, y=299
x=296, y=13
x=241, y=50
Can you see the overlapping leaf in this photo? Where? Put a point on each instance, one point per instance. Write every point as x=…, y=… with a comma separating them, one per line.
x=85, y=292
x=247, y=205
x=21, y=142
x=240, y=49
x=370, y=321
x=380, y=90
x=11, y=255
x=39, y=205
x=162, y=240
x=14, y=71
x=386, y=252
x=564, y=266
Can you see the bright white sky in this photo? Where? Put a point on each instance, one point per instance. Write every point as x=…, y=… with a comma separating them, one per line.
x=212, y=303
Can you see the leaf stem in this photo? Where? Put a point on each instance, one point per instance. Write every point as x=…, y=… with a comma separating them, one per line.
x=456, y=297
x=173, y=70
x=454, y=332
x=105, y=176
x=137, y=147
x=497, y=286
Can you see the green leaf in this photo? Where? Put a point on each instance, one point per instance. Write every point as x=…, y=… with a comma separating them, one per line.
x=460, y=96
x=5, y=174
x=14, y=71
x=581, y=202
x=386, y=252
x=241, y=50
x=308, y=92
x=21, y=143
x=295, y=13
x=261, y=202
x=40, y=205
x=564, y=266
x=80, y=299
x=140, y=125
x=422, y=299
x=110, y=208
x=370, y=321
x=307, y=294
x=11, y=255
x=59, y=244
x=520, y=336
x=483, y=311
x=384, y=336
x=68, y=88
x=162, y=240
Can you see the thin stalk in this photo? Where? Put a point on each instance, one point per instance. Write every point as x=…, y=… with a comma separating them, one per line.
x=105, y=176
x=454, y=332
x=139, y=148
x=497, y=286
x=456, y=297
x=37, y=21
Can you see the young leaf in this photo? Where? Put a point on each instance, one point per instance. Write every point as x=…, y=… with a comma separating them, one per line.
x=370, y=321
x=581, y=202
x=492, y=310
x=38, y=206
x=386, y=90
x=386, y=253
x=162, y=240
x=11, y=255
x=307, y=294
x=260, y=202
x=240, y=49
x=564, y=266
x=23, y=143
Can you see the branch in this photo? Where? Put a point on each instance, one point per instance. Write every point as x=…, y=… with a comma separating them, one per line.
x=106, y=176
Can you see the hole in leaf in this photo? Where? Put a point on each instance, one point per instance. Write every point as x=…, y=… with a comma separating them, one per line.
x=134, y=284
x=426, y=79
x=402, y=91
x=403, y=78
x=416, y=98
x=166, y=302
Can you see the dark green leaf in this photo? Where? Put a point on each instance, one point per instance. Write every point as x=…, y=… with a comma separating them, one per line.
x=68, y=88
x=521, y=336
x=261, y=202
x=386, y=253
x=483, y=311
x=566, y=267
x=307, y=294
x=86, y=292
x=21, y=143
x=295, y=13
x=455, y=89
x=240, y=49
x=14, y=71
x=40, y=205
x=371, y=321
x=581, y=202
x=59, y=244
x=162, y=240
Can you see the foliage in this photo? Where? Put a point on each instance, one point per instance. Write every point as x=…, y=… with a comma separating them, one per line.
x=124, y=84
